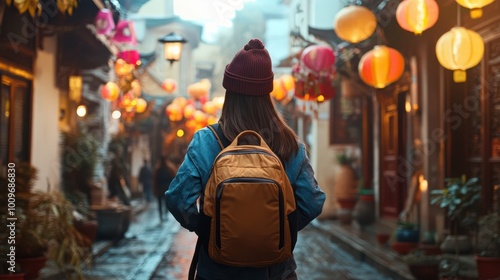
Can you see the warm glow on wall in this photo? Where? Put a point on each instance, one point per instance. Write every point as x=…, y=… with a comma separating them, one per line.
x=417, y=15
x=475, y=6
x=354, y=23
x=381, y=66
x=459, y=49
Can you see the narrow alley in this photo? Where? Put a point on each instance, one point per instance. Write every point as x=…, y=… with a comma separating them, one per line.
x=163, y=251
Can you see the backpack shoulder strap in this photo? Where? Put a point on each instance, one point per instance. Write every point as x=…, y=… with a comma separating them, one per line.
x=221, y=138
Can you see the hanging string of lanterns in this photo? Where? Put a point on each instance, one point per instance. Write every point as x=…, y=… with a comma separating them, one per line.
x=314, y=74
x=197, y=111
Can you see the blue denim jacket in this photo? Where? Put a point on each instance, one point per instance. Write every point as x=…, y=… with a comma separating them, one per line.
x=188, y=184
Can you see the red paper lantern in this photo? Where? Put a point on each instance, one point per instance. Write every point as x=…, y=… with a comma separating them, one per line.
x=381, y=66
x=318, y=58
x=169, y=85
x=326, y=90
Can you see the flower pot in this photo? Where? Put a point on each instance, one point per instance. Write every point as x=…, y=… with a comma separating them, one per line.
x=364, y=211
x=407, y=235
x=87, y=229
x=403, y=248
x=32, y=266
x=425, y=271
x=382, y=238
x=488, y=268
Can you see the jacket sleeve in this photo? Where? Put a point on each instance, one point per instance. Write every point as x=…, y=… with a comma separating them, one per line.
x=309, y=196
x=184, y=191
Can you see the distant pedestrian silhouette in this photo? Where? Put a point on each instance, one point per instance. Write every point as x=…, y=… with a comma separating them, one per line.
x=164, y=173
x=146, y=180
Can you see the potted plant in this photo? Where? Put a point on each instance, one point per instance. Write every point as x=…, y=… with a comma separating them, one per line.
x=44, y=228
x=364, y=211
x=488, y=244
x=461, y=199
x=422, y=266
x=406, y=237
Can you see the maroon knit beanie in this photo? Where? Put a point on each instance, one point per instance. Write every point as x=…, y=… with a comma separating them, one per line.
x=250, y=72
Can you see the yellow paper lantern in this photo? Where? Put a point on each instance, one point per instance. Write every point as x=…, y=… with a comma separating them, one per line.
x=381, y=66
x=110, y=91
x=459, y=49
x=210, y=108
x=354, y=23
x=475, y=6
x=188, y=111
x=140, y=105
x=417, y=15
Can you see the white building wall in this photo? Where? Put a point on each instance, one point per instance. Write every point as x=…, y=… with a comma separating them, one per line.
x=45, y=133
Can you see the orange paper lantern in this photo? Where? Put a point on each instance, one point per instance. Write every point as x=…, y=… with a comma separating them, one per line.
x=140, y=105
x=169, y=85
x=417, y=15
x=381, y=66
x=110, y=91
x=354, y=23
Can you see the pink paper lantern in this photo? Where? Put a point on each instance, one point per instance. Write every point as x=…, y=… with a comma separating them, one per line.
x=104, y=22
x=130, y=56
x=318, y=58
x=125, y=32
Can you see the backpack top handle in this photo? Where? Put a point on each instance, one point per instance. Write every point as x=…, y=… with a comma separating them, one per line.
x=250, y=132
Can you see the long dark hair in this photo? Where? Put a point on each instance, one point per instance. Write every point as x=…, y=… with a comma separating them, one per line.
x=245, y=112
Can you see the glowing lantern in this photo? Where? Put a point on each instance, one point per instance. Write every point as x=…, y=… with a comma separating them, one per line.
x=130, y=56
x=211, y=119
x=188, y=111
x=197, y=90
x=128, y=101
x=354, y=23
x=169, y=85
x=104, y=22
x=135, y=88
x=279, y=92
x=110, y=91
x=125, y=32
x=381, y=66
x=181, y=101
x=219, y=102
x=141, y=105
x=122, y=68
x=288, y=82
x=81, y=111
x=475, y=6
x=199, y=116
x=318, y=58
x=210, y=108
x=459, y=49
x=417, y=15
x=174, y=112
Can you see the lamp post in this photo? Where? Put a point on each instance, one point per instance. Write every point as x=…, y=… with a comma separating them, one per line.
x=172, y=46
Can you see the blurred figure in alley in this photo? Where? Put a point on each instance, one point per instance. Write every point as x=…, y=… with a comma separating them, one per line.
x=164, y=173
x=146, y=181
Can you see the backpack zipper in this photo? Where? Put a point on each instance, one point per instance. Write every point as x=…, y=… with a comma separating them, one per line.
x=220, y=189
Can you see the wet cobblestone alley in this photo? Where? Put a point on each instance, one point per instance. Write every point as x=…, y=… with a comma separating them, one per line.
x=163, y=251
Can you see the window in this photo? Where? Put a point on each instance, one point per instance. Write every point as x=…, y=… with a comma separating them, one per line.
x=15, y=121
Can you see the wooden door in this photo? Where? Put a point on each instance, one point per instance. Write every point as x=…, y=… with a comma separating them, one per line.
x=392, y=154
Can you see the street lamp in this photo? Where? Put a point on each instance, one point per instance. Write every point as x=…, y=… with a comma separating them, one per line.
x=172, y=46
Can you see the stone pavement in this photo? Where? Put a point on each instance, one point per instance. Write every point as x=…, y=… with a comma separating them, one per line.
x=317, y=257
x=162, y=251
